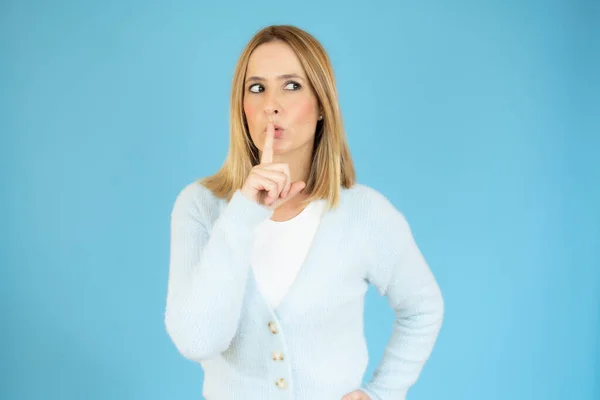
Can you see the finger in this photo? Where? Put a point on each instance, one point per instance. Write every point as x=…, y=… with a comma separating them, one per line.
x=279, y=177
x=267, y=184
x=276, y=177
x=267, y=151
x=285, y=168
x=295, y=188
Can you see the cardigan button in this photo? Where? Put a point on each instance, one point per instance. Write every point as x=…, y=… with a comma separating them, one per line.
x=281, y=383
x=277, y=356
x=273, y=327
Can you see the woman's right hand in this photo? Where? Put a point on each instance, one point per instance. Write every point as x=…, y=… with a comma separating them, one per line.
x=269, y=183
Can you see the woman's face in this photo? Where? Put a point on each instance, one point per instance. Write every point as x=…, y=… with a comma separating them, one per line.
x=276, y=86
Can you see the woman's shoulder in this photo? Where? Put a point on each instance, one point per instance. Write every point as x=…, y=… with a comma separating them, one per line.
x=373, y=211
x=366, y=197
x=195, y=191
x=195, y=199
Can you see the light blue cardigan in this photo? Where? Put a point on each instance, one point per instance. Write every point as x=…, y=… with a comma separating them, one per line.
x=312, y=345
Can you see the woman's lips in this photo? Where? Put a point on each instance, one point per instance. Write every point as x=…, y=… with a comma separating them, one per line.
x=277, y=131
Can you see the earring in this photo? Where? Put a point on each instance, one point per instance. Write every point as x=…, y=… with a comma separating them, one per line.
x=320, y=117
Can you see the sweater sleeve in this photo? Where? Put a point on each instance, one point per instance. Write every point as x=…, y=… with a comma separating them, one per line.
x=399, y=271
x=208, y=271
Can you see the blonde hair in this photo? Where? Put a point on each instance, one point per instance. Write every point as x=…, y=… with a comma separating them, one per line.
x=332, y=166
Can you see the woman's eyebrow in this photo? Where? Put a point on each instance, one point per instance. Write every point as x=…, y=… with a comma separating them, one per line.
x=280, y=77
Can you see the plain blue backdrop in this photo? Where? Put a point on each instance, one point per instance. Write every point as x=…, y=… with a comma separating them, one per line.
x=479, y=120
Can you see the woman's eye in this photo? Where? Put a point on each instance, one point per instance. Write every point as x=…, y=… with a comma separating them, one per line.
x=292, y=86
x=256, y=88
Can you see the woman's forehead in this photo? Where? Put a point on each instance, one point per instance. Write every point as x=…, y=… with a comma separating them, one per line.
x=271, y=60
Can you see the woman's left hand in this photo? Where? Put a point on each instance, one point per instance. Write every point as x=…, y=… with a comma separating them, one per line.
x=356, y=395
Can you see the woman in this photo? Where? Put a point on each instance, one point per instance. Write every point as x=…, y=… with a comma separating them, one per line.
x=271, y=256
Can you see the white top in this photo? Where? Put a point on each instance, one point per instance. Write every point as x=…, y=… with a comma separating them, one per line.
x=280, y=249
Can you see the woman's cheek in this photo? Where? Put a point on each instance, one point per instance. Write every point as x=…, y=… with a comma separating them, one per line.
x=250, y=112
x=306, y=112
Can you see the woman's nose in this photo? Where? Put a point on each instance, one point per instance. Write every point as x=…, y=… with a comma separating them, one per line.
x=272, y=106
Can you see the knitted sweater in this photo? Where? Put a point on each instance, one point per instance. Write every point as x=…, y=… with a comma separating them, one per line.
x=312, y=345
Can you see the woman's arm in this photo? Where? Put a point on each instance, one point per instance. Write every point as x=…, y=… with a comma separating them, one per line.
x=208, y=271
x=398, y=270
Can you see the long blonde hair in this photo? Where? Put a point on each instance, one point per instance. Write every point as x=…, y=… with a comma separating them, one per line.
x=332, y=166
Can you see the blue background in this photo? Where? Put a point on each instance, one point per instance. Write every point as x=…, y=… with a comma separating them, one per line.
x=479, y=120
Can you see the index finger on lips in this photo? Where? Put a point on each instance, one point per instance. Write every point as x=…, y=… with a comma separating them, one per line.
x=267, y=152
